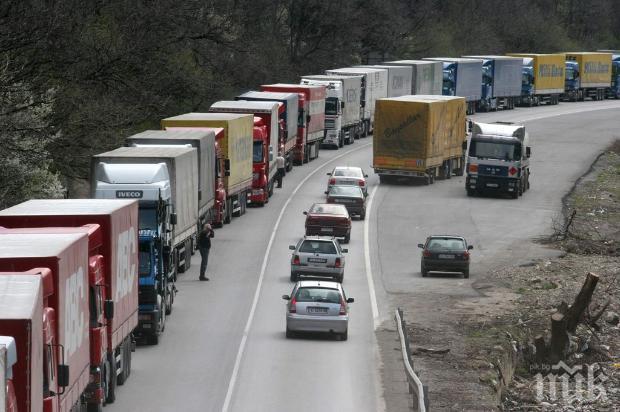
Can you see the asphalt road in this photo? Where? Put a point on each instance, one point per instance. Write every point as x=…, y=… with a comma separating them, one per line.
x=224, y=346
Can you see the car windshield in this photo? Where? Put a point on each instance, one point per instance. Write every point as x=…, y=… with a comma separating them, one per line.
x=446, y=243
x=315, y=294
x=317, y=246
x=352, y=191
x=328, y=209
x=257, y=154
x=348, y=172
x=494, y=150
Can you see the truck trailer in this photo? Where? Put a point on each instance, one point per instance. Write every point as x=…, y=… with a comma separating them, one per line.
x=419, y=136
x=426, y=76
x=374, y=87
x=342, y=107
x=311, y=118
x=64, y=330
x=288, y=139
x=112, y=230
x=462, y=77
x=587, y=75
x=498, y=159
x=235, y=144
x=501, y=82
x=398, y=78
x=542, y=78
x=265, y=145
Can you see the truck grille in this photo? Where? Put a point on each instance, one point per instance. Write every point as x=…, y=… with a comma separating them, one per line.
x=330, y=123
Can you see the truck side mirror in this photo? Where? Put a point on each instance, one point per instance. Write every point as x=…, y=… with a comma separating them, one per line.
x=342, y=105
x=63, y=376
x=528, y=151
x=292, y=247
x=108, y=309
x=421, y=245
x=173, y=218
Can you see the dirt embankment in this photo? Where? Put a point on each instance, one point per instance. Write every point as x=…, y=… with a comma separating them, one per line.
x=491, y=363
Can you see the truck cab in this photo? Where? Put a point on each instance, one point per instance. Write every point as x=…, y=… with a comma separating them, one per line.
x=334, y=104
x=262, y=156
x=498, y=159
x=527, y=84
x=449, y=79
x=150, y=184
x=572, y=84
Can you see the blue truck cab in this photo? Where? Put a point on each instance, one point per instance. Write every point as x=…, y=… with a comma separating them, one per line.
x=572, y=83
x=614, y=91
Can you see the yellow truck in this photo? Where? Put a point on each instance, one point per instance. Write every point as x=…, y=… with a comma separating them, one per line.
x=587, y=75
x=542, y=78
x=419, y=136
x=234, y=146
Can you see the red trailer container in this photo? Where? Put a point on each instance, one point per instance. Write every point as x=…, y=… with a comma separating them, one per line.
x=112, y=227
x=311, y=119
x=24, y=317
x=66, y=256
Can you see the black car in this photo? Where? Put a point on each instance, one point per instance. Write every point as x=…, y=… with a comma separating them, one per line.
x=352, y=197
x=445, y=253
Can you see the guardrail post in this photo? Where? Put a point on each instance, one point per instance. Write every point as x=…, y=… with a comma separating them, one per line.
x=418, y=391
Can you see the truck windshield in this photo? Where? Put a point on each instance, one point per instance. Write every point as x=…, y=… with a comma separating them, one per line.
x=301, y=118
x=570, y=73
x=144, y=259
x=257, y=153
x=494, y=150
x=331, y=106
x=147, y=218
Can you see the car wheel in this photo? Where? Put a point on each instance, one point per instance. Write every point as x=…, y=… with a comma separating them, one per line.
x=289, y=334
x=423, y=271
x=363, y=215
x=344, y=335
x=466, y=274
x=470, y=192
x=294, y=277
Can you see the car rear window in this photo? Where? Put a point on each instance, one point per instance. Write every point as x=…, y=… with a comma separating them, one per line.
x=352, y=191
x=317, y=246
x=445, y=243
x=348, y=173
x=316, y=294
x=328, y=209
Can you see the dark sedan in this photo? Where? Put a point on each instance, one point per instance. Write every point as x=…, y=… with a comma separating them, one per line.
x=352, y=197
x=445, y=253
x=328, y=219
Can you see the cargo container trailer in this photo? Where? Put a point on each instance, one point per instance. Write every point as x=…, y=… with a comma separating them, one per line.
x=426, y=76
x=501, y=82
x=542, y=78
x=587, y=75
x=462, y=77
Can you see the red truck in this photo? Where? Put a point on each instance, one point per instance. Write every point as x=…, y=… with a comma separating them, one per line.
x=219, y=212
x=310, y=121
x=53, y=339
x=265, y=145
x=112, y=229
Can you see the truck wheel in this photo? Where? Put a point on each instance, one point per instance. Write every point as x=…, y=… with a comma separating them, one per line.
x=228, y=211
x=243, y=198
x=94, y=407
x=111, y=397
x=120, y=379
x=469, y=192
x=188, y=255
x=169, y=301
x=432, y=176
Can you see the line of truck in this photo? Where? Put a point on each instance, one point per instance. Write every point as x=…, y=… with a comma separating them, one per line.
x=82, y=279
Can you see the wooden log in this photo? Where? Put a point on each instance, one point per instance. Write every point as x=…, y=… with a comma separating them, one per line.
x=563, y=308
x=541, y=349
x=582, y=300
x=559, y=338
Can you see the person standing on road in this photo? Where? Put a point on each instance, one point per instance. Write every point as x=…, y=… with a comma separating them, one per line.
x=204, y=245
x=281, y=165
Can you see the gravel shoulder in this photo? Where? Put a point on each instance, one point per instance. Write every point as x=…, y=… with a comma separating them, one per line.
x=488, y=337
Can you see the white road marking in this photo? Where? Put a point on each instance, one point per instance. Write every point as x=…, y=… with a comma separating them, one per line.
x=248, y=325
x=371, y=282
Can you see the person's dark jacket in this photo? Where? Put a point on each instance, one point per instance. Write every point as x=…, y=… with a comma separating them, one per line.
x=204, y=239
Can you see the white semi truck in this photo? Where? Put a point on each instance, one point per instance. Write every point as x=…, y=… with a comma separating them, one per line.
x=498, y=159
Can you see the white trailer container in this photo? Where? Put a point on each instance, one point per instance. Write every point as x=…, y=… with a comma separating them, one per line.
x=462, y=77
x=426, y=76
x=399, y=79
x=342, y=106
x=501, y=81
x=374, y=86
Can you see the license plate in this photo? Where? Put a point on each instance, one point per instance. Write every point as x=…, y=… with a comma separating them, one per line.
x=492, y=185
x=327, y=229
x=441, y=256
x=317, y=310
x=343, y=201
x=317, y=260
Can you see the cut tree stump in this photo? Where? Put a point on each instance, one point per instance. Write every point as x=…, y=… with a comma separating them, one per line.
x=559, y=338
x=582, y=300
x=541, y=349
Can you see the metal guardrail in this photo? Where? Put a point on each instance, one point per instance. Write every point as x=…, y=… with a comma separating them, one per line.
x=419, y=391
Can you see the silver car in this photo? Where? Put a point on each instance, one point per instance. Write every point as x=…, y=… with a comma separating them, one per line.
x=317, y=256
x=317, y=306
x=348, y=175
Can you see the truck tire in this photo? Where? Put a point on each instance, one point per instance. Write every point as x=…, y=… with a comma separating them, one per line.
x=94, y=407
x=228, y=211
x=188, y=255
x=122, y=377
x=169, y=302
x=243, y=199
x=111, y=396
x=469, y=192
